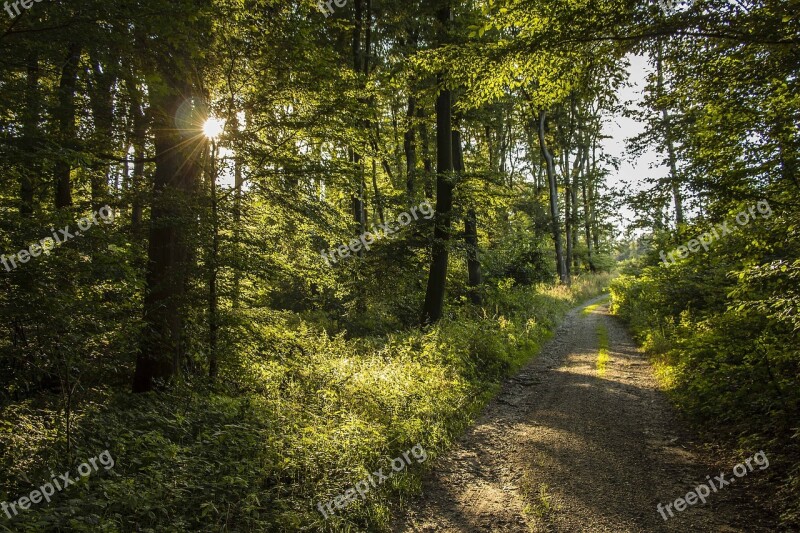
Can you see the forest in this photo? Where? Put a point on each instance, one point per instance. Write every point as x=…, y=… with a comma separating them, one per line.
x=255, y=251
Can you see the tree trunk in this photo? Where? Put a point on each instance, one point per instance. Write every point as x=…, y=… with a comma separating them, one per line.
x=575, y=223
x=237, y=223
x=586, y=188
x=567, y=211
x=64, y=116
x=102, y=104
x=437, y=279
x=30, y=129
x=592, y=185
x=568, y=224
x=474, y=278
x=358, y=196
x=502, y=140
x=551, y=179
x=138, y=140
x=410, y=148
x=673, y=160
x=490, y=149
x=355, y=156
x=577, y=170
x=427, y=162
x=377, y=192
x=237, y=209
x=213, y=297
x=171, y=220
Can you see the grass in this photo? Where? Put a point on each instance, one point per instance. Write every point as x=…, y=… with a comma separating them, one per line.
x=589, y=309
x=603, y=355
x=539, y=503
x=305, y=416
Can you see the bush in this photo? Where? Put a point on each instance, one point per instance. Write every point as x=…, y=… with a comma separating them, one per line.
x=729, y=362
x=302, y=417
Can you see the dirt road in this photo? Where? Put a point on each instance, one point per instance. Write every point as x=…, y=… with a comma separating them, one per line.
x=580, y=440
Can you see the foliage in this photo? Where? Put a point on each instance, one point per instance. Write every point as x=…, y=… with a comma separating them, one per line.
x=278, y=379
x=723, y=338
x=296, y=425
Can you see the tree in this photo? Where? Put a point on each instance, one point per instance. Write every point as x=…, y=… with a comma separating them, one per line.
x=437, y=278
x=561, y=265
x=178, y=116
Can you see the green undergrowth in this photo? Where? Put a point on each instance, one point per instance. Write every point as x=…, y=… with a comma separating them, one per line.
x=729, y=362
x=298, y=417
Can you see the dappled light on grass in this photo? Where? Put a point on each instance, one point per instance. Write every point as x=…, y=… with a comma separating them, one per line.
x=308, y=421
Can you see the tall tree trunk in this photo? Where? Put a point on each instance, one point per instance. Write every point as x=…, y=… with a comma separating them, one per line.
x=237, y=223
x=410, y=137
x=213, y=265
x=126, y=174
x=427, y=162
x=376, y=125
x=138, y=140
x=673, y=160
x=568, y=224
x=586, y=188
x=474, y=277
x=575, y=223
x=502, y=142
x=175, y=183
x=30, y=129
x=238, y=181
x=490, y=149
x=396, y=155
x=567, y=212
x=551, y=179
x=410, y=148
x=65, y=120
x=437, y=279
x=593, y=197
x=595, y=225
x=358, y=198
x=355, y=156
x=102, y=104
x=367, y=38
x=377, y=192
x=577, y=170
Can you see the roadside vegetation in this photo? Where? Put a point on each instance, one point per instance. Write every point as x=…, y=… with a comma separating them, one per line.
x=722, y=329
x=286, y=432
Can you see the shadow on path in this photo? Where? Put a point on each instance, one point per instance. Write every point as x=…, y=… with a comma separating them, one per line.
x=566, y=447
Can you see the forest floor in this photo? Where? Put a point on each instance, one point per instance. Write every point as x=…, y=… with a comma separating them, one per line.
x=582, y=439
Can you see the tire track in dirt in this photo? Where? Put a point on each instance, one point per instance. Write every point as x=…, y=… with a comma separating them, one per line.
x=570, y=445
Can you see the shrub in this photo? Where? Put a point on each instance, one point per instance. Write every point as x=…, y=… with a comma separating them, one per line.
x=302, y=417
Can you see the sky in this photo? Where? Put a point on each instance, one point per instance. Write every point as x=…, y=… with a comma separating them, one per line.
x=631, y=174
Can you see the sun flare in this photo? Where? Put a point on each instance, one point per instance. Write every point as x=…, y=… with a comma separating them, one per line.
x=213, y=127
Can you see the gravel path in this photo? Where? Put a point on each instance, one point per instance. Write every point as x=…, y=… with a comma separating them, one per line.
x=576, y=444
